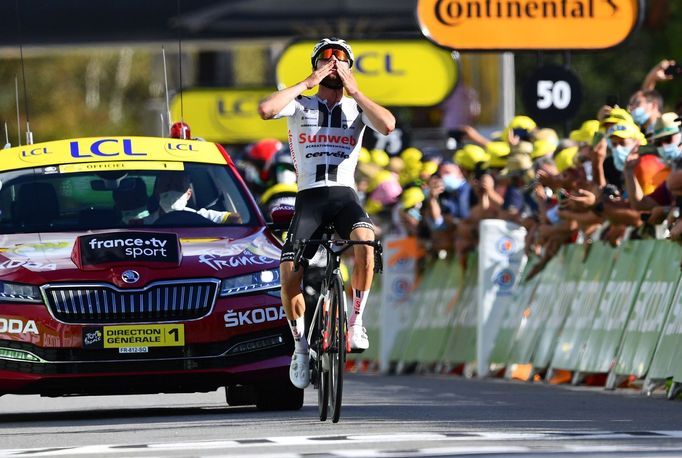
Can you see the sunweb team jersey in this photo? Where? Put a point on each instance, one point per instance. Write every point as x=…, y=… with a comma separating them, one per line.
x=324, y=141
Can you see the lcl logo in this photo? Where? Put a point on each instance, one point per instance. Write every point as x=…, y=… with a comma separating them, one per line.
x=246, y=105
x=375, y=63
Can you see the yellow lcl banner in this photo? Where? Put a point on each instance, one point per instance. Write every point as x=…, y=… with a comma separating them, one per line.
x=527, y=24
x=390, y=72
x=227, y=115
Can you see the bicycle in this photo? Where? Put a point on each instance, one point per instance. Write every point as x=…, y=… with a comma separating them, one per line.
x=328, y=332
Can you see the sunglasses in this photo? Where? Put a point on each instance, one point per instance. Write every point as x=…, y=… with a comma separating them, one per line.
x=340, y=54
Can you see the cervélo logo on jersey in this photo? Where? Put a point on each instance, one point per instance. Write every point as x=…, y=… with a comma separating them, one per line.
x=325, y=138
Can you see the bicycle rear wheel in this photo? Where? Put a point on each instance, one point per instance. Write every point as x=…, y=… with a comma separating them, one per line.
x=321, y=362
x=337, y=350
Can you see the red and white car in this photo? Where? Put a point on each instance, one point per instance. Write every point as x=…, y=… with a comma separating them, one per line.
x=100, y=294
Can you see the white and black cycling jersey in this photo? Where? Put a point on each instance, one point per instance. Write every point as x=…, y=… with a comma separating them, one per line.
x=324, y=142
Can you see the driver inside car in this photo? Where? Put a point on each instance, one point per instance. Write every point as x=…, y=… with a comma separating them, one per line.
x=174, y=191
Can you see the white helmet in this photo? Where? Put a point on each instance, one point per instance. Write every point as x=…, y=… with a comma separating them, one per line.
x=332, y=42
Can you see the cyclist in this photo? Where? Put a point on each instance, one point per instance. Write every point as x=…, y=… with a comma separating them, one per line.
x=325, y=137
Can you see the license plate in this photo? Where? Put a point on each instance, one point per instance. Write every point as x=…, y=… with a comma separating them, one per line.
x=134, y=336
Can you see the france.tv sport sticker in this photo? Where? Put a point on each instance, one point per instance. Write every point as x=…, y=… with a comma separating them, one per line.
x=129, y=246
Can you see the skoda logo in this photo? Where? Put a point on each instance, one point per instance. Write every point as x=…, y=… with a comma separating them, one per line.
x=130, y=276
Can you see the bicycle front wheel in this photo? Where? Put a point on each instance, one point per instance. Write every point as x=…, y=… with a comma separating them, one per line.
x=322, y=360
x=337, y=351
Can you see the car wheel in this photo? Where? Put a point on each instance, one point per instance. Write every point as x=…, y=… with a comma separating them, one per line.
x=240, y=395
x=279, y=397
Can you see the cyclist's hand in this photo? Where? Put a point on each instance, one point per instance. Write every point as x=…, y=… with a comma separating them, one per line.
x=318, y=75
x=347, y=78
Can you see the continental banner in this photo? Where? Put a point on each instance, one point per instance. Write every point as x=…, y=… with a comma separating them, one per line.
x=500, y=264
x=528, y=24
x=615, y=306
x=586, y=297
x=649, y=312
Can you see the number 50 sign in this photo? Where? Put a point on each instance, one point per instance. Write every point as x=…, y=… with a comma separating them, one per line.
x=552, y=94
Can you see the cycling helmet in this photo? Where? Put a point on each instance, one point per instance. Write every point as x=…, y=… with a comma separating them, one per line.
x=332, y=42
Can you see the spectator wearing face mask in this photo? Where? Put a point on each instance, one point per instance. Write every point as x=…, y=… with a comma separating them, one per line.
x=406, y=215
x=645, y=107
x=174, y=191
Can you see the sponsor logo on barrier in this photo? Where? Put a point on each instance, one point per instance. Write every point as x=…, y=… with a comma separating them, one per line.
x=14, y=326
x=504, y=279
x=506, y=246
x=129, y=246
x=401, y=288
x=253, y=316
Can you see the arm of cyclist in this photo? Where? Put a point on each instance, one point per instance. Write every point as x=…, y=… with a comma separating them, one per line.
x=380, y=119
x=278, y=100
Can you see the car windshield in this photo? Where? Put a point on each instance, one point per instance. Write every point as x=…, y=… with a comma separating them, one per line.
x=46, y=200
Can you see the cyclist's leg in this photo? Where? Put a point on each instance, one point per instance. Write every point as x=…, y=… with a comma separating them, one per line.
x=354, y=223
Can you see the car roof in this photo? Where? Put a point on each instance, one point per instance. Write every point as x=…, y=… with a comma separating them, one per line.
x=112, y=153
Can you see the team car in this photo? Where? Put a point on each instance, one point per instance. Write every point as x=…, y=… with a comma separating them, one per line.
x=133, y=265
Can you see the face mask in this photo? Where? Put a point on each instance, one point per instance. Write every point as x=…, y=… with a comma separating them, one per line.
x=620, y=153
x=669, y=152
x=452, y=182
x=587, y=166
x=639, y=115
x=139, y=213
x=414, y=213
x=173, y=201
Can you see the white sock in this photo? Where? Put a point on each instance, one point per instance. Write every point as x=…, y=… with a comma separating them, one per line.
x=298, y=331
x=359, y=303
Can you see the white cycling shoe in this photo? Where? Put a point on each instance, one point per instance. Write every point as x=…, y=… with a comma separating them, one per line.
x=299, y=371
x=357, y=335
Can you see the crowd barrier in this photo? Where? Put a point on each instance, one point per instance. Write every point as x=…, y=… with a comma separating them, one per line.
x=614, y=313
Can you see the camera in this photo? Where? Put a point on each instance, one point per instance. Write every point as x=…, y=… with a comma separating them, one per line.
x=673, y=70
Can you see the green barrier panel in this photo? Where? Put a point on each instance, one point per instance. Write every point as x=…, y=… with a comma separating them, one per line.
x=673, y=329
x=570, y=263
x=649, y=312
x=514, y=318
x=616, y=303
x=535, y=314
x=461, y=343
x=584, y=306
x=371, y=320
x=435, y=277
x=666, y=357
x=439, y=327
x=417, y=314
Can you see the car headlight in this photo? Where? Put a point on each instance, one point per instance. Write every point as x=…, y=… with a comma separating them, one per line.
x=265, y=280
x=17, y=292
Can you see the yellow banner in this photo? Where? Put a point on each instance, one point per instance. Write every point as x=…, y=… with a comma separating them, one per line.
x=144, y=335
x=112, y=150
x=527, y=24
x=390, y=72
x=228, y=115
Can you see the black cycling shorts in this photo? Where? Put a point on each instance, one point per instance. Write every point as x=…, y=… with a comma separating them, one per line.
x=315, y=208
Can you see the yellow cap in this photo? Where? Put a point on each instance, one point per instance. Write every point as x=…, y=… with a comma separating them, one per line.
x=363, y=156
x=411, y=197
x=564, y=158
x=378, y=178
x=586, y=131
x=625, y=130
x=379, y=157
x=522, y=122
x=548, y=135
x=618, y=115
x=469, y=156
x=542, y=148
x=429, y=168
x=411, y=155
x=497, y=152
